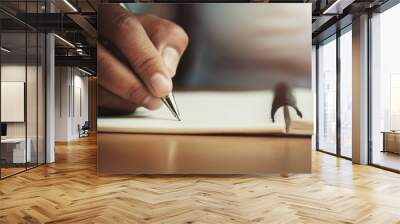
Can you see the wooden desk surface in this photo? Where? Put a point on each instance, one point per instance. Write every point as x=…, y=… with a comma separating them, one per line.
x=197, y=154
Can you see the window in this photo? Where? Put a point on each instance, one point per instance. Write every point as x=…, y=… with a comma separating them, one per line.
x=346, y=92
x=334, y=106
x=327, y=96
x=385, y=89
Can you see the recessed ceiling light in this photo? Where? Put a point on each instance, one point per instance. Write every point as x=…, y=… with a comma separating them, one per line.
x=70, y=6
x=84, y=71
x=337, y=7
x=64, y=40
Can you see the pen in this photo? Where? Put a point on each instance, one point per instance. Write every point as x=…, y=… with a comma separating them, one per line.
x=169, y=101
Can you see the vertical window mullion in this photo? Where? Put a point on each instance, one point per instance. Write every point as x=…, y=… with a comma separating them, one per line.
x=369, y=90
x=26, y=87
x=338, y=73
x=317, y=96
x=37, y=90
x=0, y=94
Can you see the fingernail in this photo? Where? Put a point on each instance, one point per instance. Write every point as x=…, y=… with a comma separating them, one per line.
x=161, y=84
x=171, y=59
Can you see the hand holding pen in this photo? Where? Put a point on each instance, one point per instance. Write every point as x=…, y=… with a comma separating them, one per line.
x=152, y=47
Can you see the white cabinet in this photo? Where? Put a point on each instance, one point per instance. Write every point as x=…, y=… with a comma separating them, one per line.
x=13, y=150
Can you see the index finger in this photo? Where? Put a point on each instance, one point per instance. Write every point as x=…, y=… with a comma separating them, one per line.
x=128, y=35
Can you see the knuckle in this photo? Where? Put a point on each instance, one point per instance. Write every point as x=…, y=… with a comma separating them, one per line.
x=146, y=16
x=101, y=61
x=177, y=32
x=145, y=64
x=136, y=94
x=171, y=31
x=183, y=35
x=185, y=39
x=103, y=65
x=125, y=19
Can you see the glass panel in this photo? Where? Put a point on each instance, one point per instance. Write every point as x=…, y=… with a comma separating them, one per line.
x=327, y=96
x=346, y=94
x=23, y=90
x=32, y=90
x=31, y=100
x=314, y=84
x=41, y=98
x=385, y=87
x=13, y=86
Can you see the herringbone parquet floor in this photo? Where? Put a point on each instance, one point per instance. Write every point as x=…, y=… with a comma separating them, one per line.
x=69, y=191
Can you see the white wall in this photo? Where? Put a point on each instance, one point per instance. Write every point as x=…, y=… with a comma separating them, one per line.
x=17, y=72
x=14, y=72
x=70, y=83
x=61, y=103
x=33, y=126
x=80, y=118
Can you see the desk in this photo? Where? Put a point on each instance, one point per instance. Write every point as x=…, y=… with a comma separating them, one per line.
x=391, y=141
x=201, y=154
x=13, y=150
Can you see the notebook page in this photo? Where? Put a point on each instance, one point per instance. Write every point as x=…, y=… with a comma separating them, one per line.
x=210, y=113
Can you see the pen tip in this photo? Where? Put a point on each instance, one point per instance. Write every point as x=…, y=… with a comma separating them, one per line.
x=179, y=119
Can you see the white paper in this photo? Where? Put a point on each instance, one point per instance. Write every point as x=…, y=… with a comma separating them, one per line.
x=214, y=113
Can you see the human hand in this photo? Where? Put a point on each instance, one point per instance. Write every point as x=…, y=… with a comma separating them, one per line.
x=151, y=47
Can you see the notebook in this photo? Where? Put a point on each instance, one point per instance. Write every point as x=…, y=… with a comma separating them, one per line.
x=212, y=112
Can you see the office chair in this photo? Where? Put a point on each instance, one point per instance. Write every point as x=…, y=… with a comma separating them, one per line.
x=84, y=130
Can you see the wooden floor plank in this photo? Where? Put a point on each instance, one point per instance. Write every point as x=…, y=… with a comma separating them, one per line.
x=69, y=191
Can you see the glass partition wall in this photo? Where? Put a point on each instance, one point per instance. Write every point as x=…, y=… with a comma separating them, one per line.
x=385, y=89
x=13, y=90
x=22, y=88
x=327, y=95
x=345, y=93
x=334, y=94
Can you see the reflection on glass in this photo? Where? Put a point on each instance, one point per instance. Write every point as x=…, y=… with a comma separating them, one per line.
x=346, y=94
x=22, y=92
x=14, y=153
x=394, y=101
x=327, y=96
x=32, y=88
x=31, y=100
x=41, y=99
x=385, y=84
